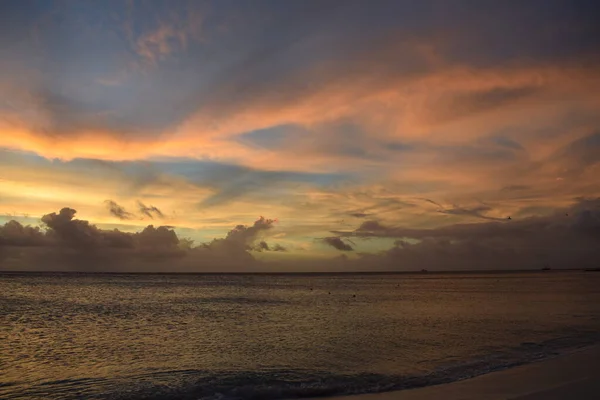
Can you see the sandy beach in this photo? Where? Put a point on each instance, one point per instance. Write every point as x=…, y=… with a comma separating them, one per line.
x=571, y=376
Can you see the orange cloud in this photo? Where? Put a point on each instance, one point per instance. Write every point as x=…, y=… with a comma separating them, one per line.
x=438, y=112
x=391, y=107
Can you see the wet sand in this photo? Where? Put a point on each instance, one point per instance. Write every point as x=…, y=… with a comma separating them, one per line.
x=571, y=376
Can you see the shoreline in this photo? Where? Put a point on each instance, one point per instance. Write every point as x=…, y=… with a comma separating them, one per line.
x=301, y=273
x=572, y=375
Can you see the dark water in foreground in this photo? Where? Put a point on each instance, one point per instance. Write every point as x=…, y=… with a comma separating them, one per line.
x=283, y=336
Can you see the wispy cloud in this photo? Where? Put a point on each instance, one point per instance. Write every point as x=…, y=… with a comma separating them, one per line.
x=117, y=210
x=337, y=243
x=173, y=31
x=150, y=211
x=154, y=46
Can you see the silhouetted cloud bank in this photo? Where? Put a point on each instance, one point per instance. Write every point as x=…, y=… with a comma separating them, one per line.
x=68, y=243
x=568, y=238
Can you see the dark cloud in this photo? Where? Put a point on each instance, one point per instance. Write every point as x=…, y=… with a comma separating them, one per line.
x=278, y=247
x=74, y=244
x=14, y=234
x=375, y=229
x=66, y=229
x=157, y=238
x=359, y=215
x=149, y=211
x=238, y=243
x=431, y=202
x=117, y=210
x=118, y=239
x=242, y=238
x=337, y=243
x=568, y=238
x=371, y=226
x=264, y=246
x=243, y=234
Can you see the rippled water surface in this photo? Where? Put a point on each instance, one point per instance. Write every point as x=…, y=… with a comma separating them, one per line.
x=69, y=336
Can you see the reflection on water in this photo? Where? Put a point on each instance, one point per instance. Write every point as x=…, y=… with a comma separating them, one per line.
x=273, y=336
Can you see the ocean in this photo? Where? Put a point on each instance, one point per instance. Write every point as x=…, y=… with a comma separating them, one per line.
x=142, y=336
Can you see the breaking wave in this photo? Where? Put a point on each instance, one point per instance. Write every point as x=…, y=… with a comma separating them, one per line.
x=277, y=384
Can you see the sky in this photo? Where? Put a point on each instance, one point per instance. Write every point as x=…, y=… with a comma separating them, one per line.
x=299, y=135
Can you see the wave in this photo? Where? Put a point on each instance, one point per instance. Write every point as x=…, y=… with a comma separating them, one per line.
x=275, y=384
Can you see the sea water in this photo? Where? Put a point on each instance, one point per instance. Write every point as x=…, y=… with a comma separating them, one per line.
x=116, y=336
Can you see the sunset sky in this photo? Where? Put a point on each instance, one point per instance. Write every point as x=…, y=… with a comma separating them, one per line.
x=368, y=134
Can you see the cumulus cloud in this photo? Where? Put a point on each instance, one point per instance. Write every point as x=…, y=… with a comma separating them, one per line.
x=64, y=228
x=117, y=210
x=337, y=243
x=242, y=238
x=245, y=234
x=14, y=234
x=74, y=244
x=161, y=238
x=566, y=238
x=150, y=211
